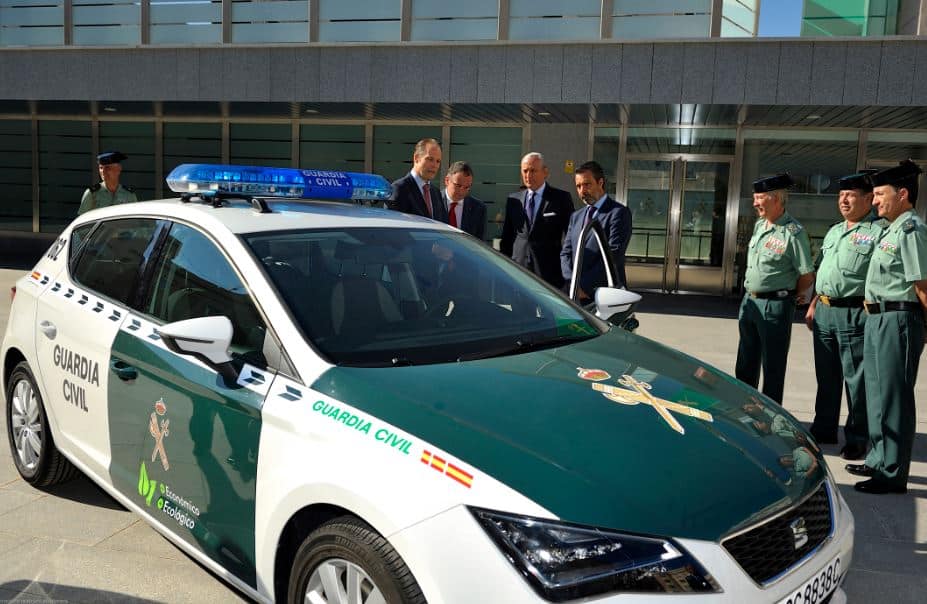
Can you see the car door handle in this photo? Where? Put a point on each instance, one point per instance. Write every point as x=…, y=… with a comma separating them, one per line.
x=49, y=329
x=123, y=370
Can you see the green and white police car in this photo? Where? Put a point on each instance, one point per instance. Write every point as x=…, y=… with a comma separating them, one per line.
x=329, y=402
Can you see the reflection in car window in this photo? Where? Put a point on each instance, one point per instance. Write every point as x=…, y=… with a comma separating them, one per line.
x=193, y=279
x=381, y=297
x=110, y=262
x=78, y=234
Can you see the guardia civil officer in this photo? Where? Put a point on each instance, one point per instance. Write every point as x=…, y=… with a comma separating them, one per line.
x=837, y=319
x=779, y=268
x=896, y=295
x=108, y=192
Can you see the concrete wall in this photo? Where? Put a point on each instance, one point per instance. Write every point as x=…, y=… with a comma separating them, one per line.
x=891, y=71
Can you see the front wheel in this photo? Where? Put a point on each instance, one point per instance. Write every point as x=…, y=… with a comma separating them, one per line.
x=345, y=560
x=37, y=459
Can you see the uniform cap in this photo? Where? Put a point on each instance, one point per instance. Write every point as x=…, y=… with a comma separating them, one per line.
x=859, y=181
x=111, y=157
x=773, y=183
x=900, y=175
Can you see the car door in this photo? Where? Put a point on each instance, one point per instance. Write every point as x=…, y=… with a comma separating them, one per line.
x=185, y=442
x=77, y=318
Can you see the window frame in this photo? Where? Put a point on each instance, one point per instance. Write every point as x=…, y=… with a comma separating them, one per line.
x=286, y=368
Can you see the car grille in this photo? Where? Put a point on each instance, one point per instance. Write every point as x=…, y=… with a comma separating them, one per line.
x=768, y=550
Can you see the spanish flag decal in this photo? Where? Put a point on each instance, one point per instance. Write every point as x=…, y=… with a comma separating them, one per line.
x=448, y=469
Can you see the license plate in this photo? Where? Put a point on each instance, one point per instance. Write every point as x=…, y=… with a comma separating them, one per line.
x=817, y=587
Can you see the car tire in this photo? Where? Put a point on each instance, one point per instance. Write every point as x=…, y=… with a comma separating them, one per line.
x=348, y=547
x=27, y=429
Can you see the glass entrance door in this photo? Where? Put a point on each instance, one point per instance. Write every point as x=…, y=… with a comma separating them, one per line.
x=679, y=208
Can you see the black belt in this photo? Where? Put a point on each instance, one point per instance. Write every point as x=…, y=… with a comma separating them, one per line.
x=874, y=308
x=848, y=302
x=779, y=293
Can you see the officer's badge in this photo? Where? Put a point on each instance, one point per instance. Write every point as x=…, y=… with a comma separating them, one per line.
x=594, y=375
x=908, y=226
x=862, y=239
x=775, y=244
x=793, y=227
x=888, y=248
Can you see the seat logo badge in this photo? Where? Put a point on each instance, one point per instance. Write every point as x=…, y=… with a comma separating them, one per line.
x=638, y=392
x=594, y=375
x=799, y=532
x=159, y=431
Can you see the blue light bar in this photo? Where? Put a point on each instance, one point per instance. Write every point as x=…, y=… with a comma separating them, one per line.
x=290, y=183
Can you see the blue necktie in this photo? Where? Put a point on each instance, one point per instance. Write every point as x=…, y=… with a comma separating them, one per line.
x=529, y=208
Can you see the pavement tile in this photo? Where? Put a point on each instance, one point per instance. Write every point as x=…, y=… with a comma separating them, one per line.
x=66, y=571
x=140, y=538
x=11, y=500
x=869, y=586
x=9, y=541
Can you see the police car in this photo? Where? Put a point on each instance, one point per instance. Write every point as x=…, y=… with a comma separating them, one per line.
x=331, y=402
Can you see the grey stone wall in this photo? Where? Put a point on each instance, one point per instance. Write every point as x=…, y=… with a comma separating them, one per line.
x=791, y=72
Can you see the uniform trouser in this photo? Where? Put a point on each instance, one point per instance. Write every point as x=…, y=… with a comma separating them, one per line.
x=765, y=332
x=838, y=358
x=891, y=352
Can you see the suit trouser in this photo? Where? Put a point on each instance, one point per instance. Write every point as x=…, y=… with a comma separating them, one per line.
x=765, y=333
x=838, y=358
x=891, y=354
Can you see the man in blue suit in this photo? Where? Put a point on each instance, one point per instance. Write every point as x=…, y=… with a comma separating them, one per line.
x=615, y=220
x=463, y=211
x=414, y=192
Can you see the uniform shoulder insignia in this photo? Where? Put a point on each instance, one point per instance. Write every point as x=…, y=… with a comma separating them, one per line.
x=793, y=227
x=94, y=188
x=129, y=188
x=908, y=225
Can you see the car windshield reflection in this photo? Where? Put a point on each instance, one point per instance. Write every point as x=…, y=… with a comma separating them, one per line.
x=387, y=297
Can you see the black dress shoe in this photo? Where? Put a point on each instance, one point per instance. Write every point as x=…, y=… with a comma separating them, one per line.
x=879, y=487
x=860, y=469
x=853, y=451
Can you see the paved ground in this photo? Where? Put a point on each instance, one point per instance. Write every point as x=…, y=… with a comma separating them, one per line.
x=75, y=544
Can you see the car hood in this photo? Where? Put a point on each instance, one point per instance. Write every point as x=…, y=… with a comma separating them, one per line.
x=616, y=431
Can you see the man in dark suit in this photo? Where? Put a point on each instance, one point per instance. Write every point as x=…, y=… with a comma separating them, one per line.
x=615, y=220
x=413, y=193
x=535, y=222
x=464, y=212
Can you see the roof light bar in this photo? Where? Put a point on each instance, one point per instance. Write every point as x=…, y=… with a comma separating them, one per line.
x=289, y=183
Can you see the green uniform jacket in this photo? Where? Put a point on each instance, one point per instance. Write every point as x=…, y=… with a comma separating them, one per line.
x=843, y=261
x=777, y=256
x=98, y=196
x=900, y=259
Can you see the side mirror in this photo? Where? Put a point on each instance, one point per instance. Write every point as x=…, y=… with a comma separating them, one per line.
x=205, y=338
x=610, y=301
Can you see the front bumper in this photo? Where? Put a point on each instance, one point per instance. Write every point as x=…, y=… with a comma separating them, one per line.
x=455, y=561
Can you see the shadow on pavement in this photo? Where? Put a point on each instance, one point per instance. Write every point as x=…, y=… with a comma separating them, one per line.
x=82, y=490
x=40, y=591
x=691, y=305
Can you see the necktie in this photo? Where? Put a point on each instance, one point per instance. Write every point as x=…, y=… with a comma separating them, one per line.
x=589, y=212
x=426, y=193
x=452, y=214
x=529, y=208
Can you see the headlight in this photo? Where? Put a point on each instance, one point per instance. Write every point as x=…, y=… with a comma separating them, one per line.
x=564, y=561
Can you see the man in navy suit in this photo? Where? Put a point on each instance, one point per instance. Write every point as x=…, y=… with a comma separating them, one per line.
x=464, y=212
x=536, y=220
x=615, y=220
x=414, y=193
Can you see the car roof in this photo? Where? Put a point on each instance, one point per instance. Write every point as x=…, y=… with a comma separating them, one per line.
x=241, y=217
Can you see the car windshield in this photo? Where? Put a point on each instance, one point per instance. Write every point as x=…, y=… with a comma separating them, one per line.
x=385, y=297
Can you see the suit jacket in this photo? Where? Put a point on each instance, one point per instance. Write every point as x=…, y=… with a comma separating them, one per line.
x=615, y=220
x=473, y=217
x=407, y=197
x=537, y=248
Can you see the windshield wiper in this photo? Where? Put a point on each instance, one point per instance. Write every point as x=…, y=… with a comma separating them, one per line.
x=522, y=345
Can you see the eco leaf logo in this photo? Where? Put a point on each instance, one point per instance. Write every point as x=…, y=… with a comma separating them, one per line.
x=147, y=488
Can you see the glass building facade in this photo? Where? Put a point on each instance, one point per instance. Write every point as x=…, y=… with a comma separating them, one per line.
x=850, y=18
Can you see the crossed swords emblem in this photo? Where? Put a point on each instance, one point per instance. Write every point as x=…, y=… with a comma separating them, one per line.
x=159, y=434
x=638, y=392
